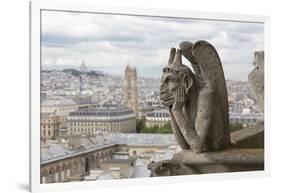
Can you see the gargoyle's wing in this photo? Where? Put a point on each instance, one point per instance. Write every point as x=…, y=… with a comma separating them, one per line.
x=208, y=60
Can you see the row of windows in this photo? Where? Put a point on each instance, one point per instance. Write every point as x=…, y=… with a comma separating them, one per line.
x=119, y=113
x=103, y=120
x=50, y=120
x=87, y=132
x=92, y=124
x=44, y=133
x=158, y=119
x=67, y=108
x=100, y=125
x=49, y=126
x=159, y=114
x=91, y=128
x=96, y=129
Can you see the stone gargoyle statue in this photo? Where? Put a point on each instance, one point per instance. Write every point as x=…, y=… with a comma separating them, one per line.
x=197, y=101
x=256, y=78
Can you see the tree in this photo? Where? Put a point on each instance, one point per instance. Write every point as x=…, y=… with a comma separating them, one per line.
x=235, y=127
x=141, y=128
x=167, y=128
x=140, y=125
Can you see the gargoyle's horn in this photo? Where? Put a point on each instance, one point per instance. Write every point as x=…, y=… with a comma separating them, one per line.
x=178, y=59
x=172, y=55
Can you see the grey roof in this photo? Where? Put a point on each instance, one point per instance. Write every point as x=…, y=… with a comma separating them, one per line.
x=60, y=151
x=54, y=151
x=145, y=106
x=102, y=111
x=143, y=139
x=46, y=115
x=46, y=158
x=58, y=102
x=82, y=100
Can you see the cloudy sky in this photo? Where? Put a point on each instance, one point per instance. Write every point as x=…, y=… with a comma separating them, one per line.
x=108, y=42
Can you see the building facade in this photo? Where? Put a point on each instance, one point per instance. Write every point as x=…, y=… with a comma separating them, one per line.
x=157, y=118
x=60, y=162
x=60, y=106
x=74, y=167
x=50, y=124
x=105, y=119
x=54, y=113
x=144, y=110
x=130, y=97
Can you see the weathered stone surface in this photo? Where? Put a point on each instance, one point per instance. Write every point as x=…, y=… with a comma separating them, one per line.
x=198, y=107
x=170, y=168
x=256, y=78
x=225, y=157
x=197, y=101
x=249, y=137
x=188, y=162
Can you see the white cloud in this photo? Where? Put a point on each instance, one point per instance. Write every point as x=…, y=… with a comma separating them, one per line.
x=107, y=42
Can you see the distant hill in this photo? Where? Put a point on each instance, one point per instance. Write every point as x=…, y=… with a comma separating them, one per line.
x=76, y=72
x=72, y=71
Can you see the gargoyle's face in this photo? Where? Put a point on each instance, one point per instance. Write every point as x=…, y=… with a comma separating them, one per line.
x=168, y=86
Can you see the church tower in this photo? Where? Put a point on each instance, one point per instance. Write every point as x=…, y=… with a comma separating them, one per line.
x=130, y=95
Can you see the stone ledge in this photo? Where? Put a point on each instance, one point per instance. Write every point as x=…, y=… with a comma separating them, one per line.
x=187, y=162
x=250, y=137
x=225, y=157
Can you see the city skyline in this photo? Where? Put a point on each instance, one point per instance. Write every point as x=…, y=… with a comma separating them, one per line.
x=144, y=42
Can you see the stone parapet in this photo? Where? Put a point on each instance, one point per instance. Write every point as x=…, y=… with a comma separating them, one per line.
x=188, y=162
x=250, y=137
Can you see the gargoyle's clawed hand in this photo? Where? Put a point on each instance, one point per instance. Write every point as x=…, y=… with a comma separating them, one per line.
x=179, y=98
